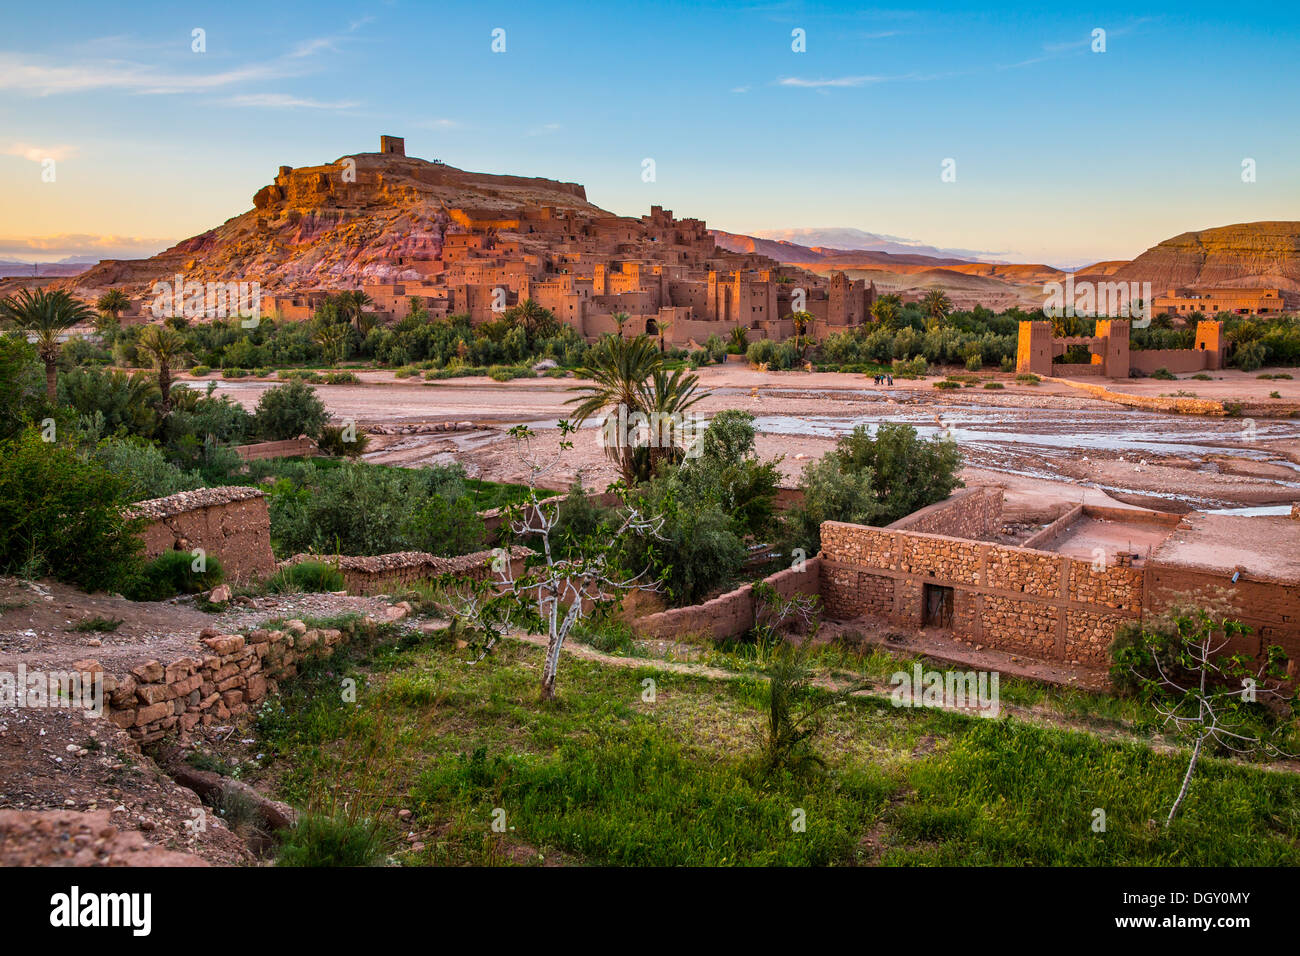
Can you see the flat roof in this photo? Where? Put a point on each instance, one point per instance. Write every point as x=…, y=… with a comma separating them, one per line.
x=1265, y=545
x=1088, y=534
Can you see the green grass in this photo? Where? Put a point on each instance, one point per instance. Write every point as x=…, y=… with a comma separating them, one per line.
x=98, y=624
x=602, y=776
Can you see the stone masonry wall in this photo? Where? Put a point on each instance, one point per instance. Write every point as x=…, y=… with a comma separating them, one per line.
x=1043, y=604
x=231, y=523
x=384, y=573
x=968, y=513
x=232, y=674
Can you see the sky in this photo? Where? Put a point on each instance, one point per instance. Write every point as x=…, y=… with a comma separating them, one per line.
x=996, y=128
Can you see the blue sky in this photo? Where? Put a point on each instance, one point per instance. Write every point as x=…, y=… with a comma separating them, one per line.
x=1062, y=154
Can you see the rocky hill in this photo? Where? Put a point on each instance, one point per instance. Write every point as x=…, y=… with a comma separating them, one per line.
x=1244, y=255
x=326, y=227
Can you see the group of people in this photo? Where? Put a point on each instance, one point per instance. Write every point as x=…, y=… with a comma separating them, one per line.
x=885, y=379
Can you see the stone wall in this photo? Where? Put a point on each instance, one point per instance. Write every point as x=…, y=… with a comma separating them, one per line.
x=231, y=523
x=968, y=513
x=1043, y=604
x=232, y=674
x=728, y=614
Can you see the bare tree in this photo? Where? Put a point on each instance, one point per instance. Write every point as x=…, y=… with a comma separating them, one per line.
x=549, y=587
x=1205, y=695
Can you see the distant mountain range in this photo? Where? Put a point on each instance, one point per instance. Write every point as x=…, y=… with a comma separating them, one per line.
x=68, y=266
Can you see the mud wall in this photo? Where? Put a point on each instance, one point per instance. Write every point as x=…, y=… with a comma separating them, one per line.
x=289, y=448
x=1174, y=360
x=728, y=614
x=231, y=523
x=385, y=573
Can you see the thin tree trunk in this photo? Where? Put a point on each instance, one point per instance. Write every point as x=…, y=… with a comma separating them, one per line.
x=51, y=380
x=165, y=387
x=1187, y=781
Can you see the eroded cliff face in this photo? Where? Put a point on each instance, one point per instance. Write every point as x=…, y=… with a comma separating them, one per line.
x=362, y=218
x=1245, y=255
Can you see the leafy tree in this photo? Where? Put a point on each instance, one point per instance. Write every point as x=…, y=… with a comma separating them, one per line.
x=908, y=472
x=144, y=468
x=618, y=369
x=288, y=411
x=62, y=515
x=46, y=316
x=446, y=526
x=21, y=395
x=937, y=305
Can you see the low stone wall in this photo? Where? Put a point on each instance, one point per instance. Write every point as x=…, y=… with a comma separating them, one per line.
x=385, y=573
x=1044, y=539
x=1152, y=403
x=728, y=614
x=231, y=523
x=968, y=513
x=1042, y=604
x=233, y=674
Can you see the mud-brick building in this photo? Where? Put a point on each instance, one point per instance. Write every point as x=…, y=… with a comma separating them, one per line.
x=1061, y=593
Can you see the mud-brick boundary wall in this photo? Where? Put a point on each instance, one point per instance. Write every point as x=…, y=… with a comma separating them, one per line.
x=730, y=614
x=1045, y=605
x=231, y=523
x=968, y=513
x=385, y=573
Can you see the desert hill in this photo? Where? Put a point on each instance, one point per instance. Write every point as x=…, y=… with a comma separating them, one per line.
x=1244, y=255
x=319, y=227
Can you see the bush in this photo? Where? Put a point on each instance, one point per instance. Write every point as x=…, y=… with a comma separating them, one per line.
x=1164, y=375
x=307, y=576
x=947, y=384
x=1028, y=378
x=144, y=468
x=334, y=440
x=325, y=841
x=201, y=370
x=1249, y=356
x=446, y=527
x=62, y=515
x=288, y=411
x=993, y=385
x=173, y=573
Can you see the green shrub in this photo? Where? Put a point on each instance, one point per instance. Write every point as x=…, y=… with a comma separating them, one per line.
x=333, y=440
x=307, y=576
x=319, y=841
x=947, y=384
x=144, y=468
x=446, y=527
x=993, y=385
x=288, y=411
x=1249, y=356
x=1164, y=375
x=62, y=515
x=341, y=378
x=1028, y=378
x=201, y=370
x=173, y=573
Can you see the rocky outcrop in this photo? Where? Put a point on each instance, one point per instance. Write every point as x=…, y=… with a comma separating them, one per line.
x=1244, y=255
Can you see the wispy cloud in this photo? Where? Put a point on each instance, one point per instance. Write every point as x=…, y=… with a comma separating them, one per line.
x=87, y=245
x=287, y=101
x=38, y=154
x=740, y=89
x=42, y=78
x=815, y=84
x=545, y=129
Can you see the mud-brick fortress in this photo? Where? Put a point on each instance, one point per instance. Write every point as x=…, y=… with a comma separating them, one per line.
x=657, y=274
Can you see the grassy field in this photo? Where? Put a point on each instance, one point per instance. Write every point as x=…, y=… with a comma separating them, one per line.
x=604, y=776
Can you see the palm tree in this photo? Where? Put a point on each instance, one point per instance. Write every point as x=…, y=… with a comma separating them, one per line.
x=164, y=347
x=532, y=317
x=619, y=370
x=45, y=316
x=332, y=337
x=665, y=396
x=801, y=322
x=885, y=311
x=937, y=305
x=351, y=307
x=113, y=302
x=620, y=320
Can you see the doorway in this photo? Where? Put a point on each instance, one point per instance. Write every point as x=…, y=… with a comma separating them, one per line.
x=937, y=610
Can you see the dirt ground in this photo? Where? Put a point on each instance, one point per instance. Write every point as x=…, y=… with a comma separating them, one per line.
x=1046, y=442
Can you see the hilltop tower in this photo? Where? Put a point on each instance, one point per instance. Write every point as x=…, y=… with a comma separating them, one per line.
x=392, y=145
